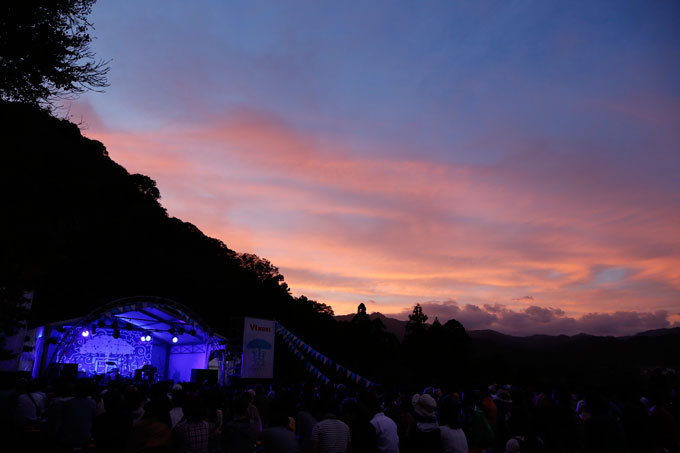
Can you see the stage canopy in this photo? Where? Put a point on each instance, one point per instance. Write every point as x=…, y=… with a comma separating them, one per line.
x=127, y=335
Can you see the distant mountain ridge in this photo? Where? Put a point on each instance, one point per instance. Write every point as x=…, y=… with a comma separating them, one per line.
x=398, y=328
x=583, y=356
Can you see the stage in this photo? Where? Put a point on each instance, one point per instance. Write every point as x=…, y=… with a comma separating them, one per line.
x=128, y=335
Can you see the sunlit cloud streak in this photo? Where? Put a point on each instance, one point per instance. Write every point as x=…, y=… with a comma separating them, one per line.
x=345, y=228
x=514, y=155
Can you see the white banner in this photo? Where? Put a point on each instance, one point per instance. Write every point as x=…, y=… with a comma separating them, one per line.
x=258, y=349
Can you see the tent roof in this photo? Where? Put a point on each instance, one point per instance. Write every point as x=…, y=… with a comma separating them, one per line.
x=153, y=315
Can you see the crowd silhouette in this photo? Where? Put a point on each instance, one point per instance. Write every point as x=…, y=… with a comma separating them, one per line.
x=87, y=414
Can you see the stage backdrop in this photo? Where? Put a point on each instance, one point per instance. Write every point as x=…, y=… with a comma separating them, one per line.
x=127, y=353
x=258, y=349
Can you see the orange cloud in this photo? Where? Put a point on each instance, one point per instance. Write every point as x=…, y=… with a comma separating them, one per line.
x=346, y=227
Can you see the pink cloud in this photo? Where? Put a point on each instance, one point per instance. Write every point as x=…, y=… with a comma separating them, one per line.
x=542, y=320
x=347, y=227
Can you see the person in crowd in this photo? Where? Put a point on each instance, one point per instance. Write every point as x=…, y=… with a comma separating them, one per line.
x=386, y=434
x=568, y=427
x=253, y=411
x=279, y=438
x=603, y=433
x=239, y=435
x=193, y=433
x=75, y=417
x=112, y=429
x=479, y=434
x=503, y=402
x=134, y=402
x=635, y=422
x=356, y=414
x=664, y=427
x=262, y=403
x=29, y=404
x=450, y=416
x=214, y=403
x=423, y=434
x=152, y=433
x=27, y=414
x=399, y=409
x=304, y=420
x=330, y=435
x=176, y=413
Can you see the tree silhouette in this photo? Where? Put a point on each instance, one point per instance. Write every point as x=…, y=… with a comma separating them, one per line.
x=361, y=316
x=456, y=330
x=45, y=51
x=416, y=321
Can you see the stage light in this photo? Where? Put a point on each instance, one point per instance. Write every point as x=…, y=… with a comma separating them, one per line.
x=143, y=338
x=148, y=337
x=85, y=333
x=175, y=339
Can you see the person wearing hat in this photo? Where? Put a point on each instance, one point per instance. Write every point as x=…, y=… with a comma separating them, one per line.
x=423, y=435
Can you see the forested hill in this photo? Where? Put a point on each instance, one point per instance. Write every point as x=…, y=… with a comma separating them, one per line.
x=81, y=231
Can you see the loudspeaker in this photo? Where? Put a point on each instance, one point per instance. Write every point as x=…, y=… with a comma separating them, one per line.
x=199, y=376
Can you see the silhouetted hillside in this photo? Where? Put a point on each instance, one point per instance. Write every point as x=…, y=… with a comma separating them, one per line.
x=582, y=357
x=80, y=230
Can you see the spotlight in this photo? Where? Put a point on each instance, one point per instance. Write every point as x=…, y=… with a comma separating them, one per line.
x=143, y=338
x=85, y=333
x=175, y=339
x=148, y=337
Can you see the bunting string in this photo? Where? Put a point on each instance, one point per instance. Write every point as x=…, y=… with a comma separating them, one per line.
x=297, y=346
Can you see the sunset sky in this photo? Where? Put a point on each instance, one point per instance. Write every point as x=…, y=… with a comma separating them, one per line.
x=512, y=164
